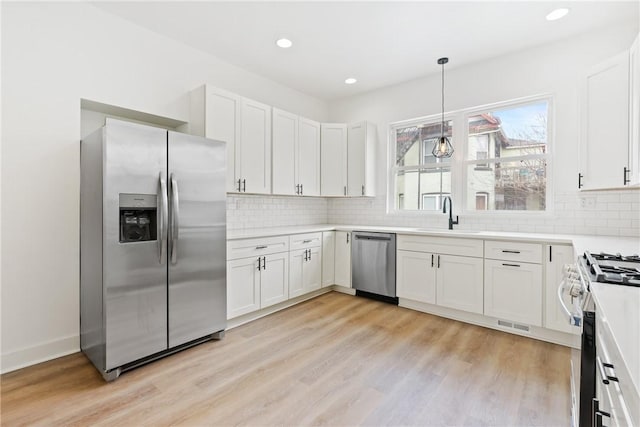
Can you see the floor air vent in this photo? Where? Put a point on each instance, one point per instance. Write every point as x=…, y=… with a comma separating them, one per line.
x=506, y=324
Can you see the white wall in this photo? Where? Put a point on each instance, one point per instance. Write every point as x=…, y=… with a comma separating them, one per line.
x=554, y=69
x=53, y=54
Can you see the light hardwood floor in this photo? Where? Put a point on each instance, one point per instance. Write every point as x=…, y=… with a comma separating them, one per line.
x=334, y=360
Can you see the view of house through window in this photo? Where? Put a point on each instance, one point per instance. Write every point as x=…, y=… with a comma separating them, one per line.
x=507, y=158
x=502, y=165
x=422, y=180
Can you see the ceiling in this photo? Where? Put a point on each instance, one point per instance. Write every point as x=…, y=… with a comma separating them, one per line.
x=379, y=43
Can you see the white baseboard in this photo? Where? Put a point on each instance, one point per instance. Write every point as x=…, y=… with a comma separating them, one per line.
x=536, y=332
x=24, y=357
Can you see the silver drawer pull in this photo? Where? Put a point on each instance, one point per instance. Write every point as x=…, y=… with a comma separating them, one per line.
x=507, y=251
x=601, y=365
x=510, y=265
x=261, y=247
x=307, y=241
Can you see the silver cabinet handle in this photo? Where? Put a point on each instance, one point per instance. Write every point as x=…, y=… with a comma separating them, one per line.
x=601, y=365
x=347, y=238
x=175, y=218
x=305, y=254
x=259, y=259
x=510, y=265
x=309, y=254
x=306, y=241
x=164, y=218
x=438, y=261
x=297, y=188
x=239, y=188
x=363, y=189
x=244, y=185
x=510, y=251
x=432, y=256
x=261, y=247
x=264, y=262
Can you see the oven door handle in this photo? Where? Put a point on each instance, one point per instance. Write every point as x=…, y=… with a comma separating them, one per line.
x=573, y=320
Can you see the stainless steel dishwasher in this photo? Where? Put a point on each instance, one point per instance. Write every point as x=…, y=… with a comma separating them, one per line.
x=373, y=265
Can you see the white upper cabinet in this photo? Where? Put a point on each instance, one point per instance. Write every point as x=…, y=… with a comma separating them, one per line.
x=308, y=157
x=285, y=141
x=296, y=155
x=245, y=126
x=634, y=113
x=215, y=114
x=333, y=173
x=361, y=138
x=255, y=147
x=604, y=145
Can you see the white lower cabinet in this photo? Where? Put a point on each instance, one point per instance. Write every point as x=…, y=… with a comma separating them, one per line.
x=274, y=279
x=513, y=291
x=256, y=282
x=343, y=259
x=554, y=318
x=416, y=276
x=243, y=286
x=459, y=282
x=305, y=271
x=328, y=258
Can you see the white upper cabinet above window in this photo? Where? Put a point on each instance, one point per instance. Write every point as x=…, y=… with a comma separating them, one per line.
x=609, y=143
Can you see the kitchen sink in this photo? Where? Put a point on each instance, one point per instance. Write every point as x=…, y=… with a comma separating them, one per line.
x=440, y=230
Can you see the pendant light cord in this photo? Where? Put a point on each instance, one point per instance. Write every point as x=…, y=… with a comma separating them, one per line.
x=442, y=122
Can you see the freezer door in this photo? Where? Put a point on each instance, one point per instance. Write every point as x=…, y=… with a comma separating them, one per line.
x=134, y=265
x=197, y=238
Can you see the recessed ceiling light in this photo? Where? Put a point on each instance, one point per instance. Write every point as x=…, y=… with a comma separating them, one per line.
x=350, y=81
x=284, y=43
x=557, y=14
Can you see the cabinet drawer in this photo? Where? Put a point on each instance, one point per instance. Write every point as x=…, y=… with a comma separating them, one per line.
x=513, y=251
x=303, y=241
x=440, y=245
x=244, y=248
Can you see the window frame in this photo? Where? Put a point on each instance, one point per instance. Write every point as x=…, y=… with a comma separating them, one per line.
x=459, y=163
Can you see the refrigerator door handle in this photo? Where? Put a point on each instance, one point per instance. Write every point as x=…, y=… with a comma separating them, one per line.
x=175, y=220
x=163, y=209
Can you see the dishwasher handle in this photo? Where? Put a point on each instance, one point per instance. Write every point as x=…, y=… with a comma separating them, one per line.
x=358, y=237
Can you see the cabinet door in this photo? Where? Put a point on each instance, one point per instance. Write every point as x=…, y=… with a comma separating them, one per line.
x=223, y=123
x=459, y=282
x=634, y=112
x=308, y=158
x=255, y=151
x=605, y=124
x=333, y=164
x=513, y=291
x=274, y=279
x=284, y=142
x=243, y=287
x=343, y=259
x=296, y=261
x=312, y=270
x=554, y=318
x=416, y=276
x=356, y=155
x=328, y=258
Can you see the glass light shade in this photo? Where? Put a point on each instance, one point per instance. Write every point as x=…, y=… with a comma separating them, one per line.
x=442, y=147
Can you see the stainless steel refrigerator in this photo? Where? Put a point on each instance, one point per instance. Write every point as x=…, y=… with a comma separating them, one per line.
x=152, y=244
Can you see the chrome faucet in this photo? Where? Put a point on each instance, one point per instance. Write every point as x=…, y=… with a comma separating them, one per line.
x=444, y=210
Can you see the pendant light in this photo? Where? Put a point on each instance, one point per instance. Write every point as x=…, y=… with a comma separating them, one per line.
x=442, y=146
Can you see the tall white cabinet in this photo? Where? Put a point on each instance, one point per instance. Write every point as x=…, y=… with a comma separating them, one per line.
x=361, y=139
x=255, y=148
x=333, y=164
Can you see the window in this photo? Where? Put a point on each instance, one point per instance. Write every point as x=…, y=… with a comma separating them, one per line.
x=421, y=180
x=507, y=158
x=500, y=164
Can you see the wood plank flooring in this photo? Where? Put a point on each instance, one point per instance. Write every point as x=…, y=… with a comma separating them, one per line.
x=334, y=360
